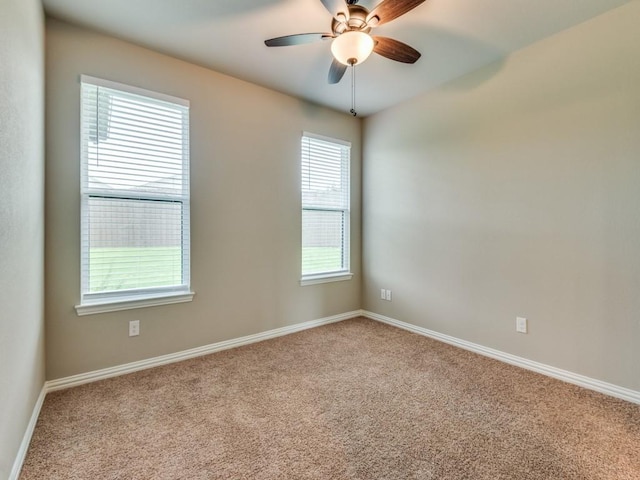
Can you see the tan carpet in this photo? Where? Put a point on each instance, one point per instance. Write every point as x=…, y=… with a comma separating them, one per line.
x=352, y=400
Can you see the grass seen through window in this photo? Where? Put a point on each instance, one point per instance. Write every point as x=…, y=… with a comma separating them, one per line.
x=321, y=259
x=124, y=268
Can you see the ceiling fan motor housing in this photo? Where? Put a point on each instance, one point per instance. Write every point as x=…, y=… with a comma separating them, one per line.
x=357, y=21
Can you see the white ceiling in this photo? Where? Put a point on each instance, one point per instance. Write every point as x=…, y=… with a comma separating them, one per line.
x=454, y=37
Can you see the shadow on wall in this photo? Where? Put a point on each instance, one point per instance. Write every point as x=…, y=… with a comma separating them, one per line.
x=482, y=75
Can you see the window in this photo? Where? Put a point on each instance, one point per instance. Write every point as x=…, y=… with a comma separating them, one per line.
x=325, y=209
x=135, y=198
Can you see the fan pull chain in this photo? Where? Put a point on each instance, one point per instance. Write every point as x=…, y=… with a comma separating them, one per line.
x=353, y=90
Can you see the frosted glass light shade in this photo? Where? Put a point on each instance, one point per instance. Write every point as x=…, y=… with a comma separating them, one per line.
x=352, y=45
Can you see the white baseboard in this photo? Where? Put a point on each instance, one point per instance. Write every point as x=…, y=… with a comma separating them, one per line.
x=75, y=380
x=564, y=375
x=26, y=439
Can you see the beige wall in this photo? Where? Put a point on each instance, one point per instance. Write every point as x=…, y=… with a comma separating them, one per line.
x=245, y=208
x=21, y=220
x=515, y=191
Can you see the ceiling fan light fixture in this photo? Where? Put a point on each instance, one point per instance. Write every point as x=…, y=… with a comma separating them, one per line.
x=352, y=47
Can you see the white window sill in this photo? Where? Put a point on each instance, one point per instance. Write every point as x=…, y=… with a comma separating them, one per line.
x=325, y=278
x=128, y=303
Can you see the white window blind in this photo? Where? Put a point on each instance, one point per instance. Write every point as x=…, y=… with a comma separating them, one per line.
x=135, y=193
x=325, y=206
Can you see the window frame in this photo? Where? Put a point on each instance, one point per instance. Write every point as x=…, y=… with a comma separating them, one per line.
x=115, y=300
x=345, y=272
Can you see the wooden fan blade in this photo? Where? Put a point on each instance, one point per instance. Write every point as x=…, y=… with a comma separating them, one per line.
x=388, y=10
x=297, y=39
x=336, y=7
x=336, y=72
x=395, y=50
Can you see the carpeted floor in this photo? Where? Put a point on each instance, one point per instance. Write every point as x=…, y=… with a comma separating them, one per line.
x=352, y=400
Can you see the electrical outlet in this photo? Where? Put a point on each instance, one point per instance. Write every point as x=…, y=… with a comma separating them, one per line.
x=383, y=294
x=134, y=328
x=521, y=325
x=388, y=295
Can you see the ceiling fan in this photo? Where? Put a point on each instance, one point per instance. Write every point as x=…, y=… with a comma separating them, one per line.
x=350, y=30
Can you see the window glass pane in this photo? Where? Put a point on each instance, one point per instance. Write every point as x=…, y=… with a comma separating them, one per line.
x=322, y=241
x=325, y=174
x=137, y=147
x=134, y=244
